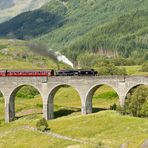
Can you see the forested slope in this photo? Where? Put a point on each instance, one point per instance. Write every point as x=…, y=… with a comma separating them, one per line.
x=107, y=27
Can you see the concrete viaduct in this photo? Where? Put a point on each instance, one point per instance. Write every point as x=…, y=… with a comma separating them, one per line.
x=48, y=86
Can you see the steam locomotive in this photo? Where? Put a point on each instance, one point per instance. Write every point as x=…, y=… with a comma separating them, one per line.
x=51, y=72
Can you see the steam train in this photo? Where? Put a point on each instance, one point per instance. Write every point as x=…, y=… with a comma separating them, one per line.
x=51, y=72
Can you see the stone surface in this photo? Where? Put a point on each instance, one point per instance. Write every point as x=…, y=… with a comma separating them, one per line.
x=48, y=86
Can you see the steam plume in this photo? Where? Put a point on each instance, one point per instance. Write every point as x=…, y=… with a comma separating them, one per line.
x=43, y=50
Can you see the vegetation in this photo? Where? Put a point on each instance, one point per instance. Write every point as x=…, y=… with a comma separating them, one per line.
x=27, y=92
x=144, y=67
x=42, y=125
x=116, y=38
x=22, y=57
x=109, y=36
x=103, y=65
x=105, y=124
x=32, y=23
x=136, y=103
x=109, y=28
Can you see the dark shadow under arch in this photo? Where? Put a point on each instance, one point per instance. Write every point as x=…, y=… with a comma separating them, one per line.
x=89, y=98
x=12, y=97
x=63, y=111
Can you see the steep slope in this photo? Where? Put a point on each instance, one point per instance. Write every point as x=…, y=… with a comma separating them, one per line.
x=11, y=8
x=124, y=36
x=60, y=24
x=82, y=16
x=33, y=23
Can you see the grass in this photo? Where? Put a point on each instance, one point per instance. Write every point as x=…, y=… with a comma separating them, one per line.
x=28, y=139
x=104, y=128
x=109, y=127
x=134, y=70
x=21, y=57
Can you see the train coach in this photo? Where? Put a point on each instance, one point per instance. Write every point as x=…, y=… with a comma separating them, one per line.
x=29, y=73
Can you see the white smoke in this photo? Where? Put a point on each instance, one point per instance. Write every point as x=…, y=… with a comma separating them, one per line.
x=64, y=59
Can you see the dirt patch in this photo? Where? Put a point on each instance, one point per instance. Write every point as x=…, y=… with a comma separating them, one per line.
x=29, y=112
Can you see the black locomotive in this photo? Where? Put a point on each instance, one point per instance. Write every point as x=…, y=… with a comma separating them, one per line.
x=79, y=72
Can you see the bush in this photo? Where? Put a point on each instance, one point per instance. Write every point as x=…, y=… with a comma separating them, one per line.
x=113, y=107
x=104, y=65
x=144, y=110
x=1, y=95
x=123, y=61
x=27, y=92
x=110, y=69
x=42, y=125
x=136, y=103
x=144, y=67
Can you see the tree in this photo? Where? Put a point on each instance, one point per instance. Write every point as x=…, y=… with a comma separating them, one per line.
x=144, y=67
x=136, y=103
x=42, y=125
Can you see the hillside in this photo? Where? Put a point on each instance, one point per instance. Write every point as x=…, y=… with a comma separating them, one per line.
x=11, y=8
x=74, y=26
x=123, y=36
x=21, y=57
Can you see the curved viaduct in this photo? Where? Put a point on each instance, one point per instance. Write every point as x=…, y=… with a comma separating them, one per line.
x=48, y=86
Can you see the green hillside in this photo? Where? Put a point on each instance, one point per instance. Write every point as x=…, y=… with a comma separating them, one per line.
x=33, y=23
x=123, y=36
x=98, y=24
x=16, y=54
x=108, y=28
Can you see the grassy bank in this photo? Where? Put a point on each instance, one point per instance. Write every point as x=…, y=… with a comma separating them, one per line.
x=22, y=57
x=134, y=70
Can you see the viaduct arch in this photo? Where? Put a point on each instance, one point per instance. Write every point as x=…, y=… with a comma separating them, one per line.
x=90, y=93
x=50, y=100
x=12, y=99
x=48, y=86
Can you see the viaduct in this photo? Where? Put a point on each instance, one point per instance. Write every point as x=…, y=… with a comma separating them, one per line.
x=48, y=86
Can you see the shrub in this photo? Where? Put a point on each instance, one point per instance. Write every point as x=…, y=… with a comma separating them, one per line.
x=27, y=92
x=110, y=69
x=136, y=103
x=144, y=110
x=113, y=107
x=144, y=67
x=1, y=95
x=42, y=125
